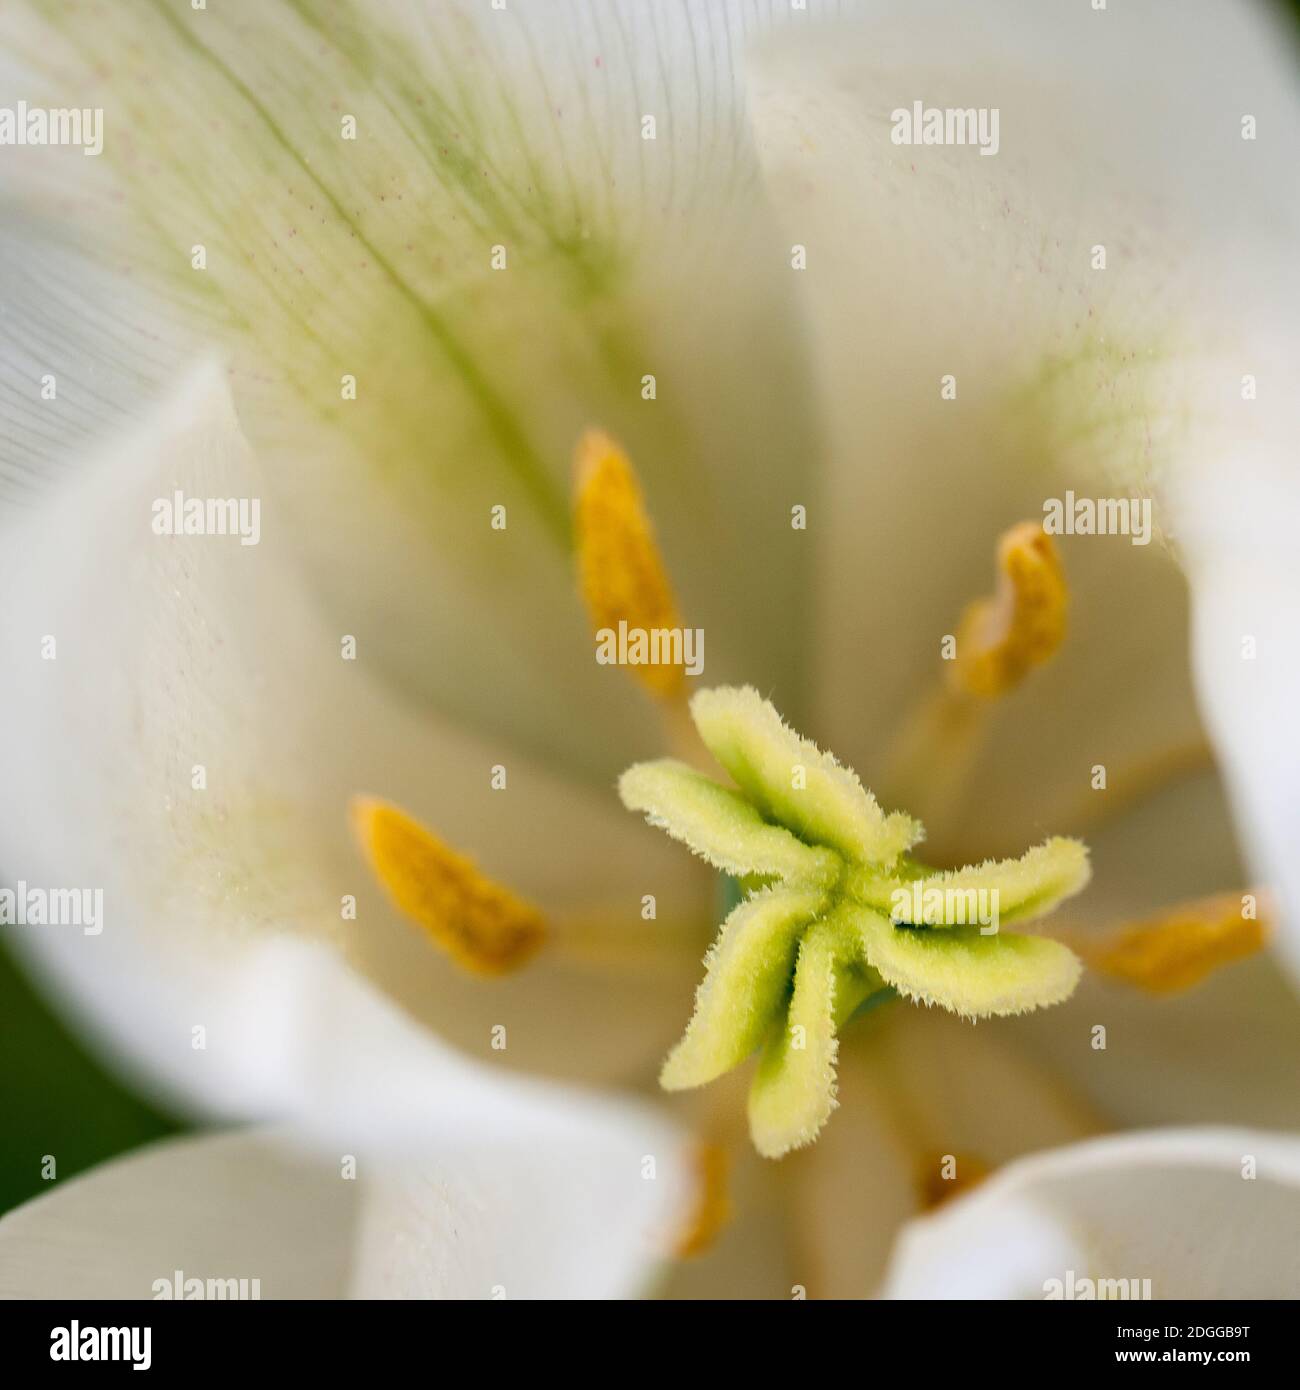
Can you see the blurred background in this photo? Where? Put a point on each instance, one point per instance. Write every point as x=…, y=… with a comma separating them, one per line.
x=56, y=1098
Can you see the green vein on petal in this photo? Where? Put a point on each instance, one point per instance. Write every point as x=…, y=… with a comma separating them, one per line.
x=515, y=446
x=371, y=258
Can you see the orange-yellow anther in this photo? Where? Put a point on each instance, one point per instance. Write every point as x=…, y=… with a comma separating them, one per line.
x=1178, y=948
x=1001, y=639
x=620, y=569
x=481, y=925
x=712, y=1207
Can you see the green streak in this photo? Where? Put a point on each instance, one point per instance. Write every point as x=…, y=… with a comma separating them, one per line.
x=515, y=445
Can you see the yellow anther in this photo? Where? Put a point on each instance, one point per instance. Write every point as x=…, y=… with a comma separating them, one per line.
x=1001, y=639
x=620, y=568
x=481, y=925
x=712, y=1209
x=1180, y=947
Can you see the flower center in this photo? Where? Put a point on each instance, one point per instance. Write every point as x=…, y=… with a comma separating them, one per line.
x=833, y=910
x=836, y=910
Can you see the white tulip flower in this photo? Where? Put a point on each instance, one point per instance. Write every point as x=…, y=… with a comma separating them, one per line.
x=390, y=366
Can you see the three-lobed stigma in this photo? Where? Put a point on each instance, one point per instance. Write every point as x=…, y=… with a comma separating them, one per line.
x=837, y=909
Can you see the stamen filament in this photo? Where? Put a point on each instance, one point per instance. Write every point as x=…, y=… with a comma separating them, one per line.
x=713, y=1208
x=934, y=754
x=999, y=641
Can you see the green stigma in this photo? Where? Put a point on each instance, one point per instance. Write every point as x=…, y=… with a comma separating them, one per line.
x=835, y=910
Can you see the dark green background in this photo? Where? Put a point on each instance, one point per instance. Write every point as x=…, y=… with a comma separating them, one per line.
x=56, y=1099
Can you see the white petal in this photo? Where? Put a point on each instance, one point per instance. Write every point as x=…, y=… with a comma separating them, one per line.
x=86, y=351
x=480, y=1180
x=926, y=1100
x=93, y=335
x=933, y=260
x=174, y=652
x=225, y=1206
x=1172, y=1207
x=477, y=128
x=582, y=1217
x=1245, y=571
x=577, y=1215
x=476, y=1176
x=1228, y=1048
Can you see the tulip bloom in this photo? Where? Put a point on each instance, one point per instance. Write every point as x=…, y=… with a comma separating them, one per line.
x=529, y=322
